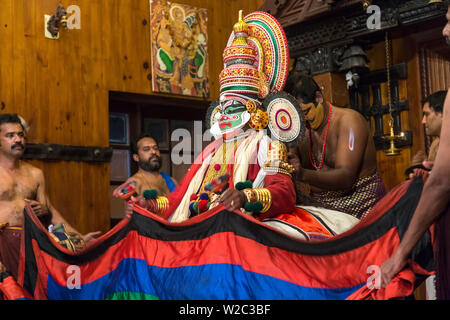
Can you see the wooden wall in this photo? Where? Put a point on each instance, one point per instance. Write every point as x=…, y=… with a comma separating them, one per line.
x=405, y=50
x=61, y=86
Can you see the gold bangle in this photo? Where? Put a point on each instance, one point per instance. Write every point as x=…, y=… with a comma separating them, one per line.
x=268, y=199
x=162, y=204
x=251, y=195
x=265, y=198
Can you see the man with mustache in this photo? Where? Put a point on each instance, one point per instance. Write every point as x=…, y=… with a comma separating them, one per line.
x=337, y=159
x=433, y=207
x=21, y=184
x=146, y=153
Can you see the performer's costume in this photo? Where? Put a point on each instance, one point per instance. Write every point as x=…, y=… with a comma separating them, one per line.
x=255, y=71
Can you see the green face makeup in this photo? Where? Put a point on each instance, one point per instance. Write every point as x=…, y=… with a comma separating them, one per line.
x=231, y=118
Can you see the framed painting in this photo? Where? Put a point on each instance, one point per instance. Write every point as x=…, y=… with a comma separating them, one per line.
x=179, y=49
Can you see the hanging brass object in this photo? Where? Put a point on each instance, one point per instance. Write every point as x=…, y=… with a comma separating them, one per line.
x=434, y=1
x=392, y=137
x=393, y=150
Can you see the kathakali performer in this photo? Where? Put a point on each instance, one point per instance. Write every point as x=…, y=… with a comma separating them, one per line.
x=246, y=167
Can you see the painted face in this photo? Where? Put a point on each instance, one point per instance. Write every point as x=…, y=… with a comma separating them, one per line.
x=431, y=120
x=313, y=114
x=232, y=118
x=446, y=30
x=12, y=139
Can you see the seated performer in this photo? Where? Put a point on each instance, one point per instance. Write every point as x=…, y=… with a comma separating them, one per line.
x=337, y=158
x=21, y=184
x=245, y=169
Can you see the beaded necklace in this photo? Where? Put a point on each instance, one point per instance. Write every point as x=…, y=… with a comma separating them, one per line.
x=324, y=143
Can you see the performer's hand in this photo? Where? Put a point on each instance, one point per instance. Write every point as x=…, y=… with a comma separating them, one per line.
x=88, y=237
x=139, y=200
x=417, y=173
x=233, y=199
x=390, y=268
x=116, y=192
x=294, y=160
x=129, y=207
x=37, y=207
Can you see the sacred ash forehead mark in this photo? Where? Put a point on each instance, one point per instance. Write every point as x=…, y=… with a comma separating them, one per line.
x=351, y=140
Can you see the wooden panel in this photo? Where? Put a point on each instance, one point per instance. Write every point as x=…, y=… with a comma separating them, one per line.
x=127, y=53
x=334, y=88
x=61, y=87
x=117, y=205
x=77, y=191
x=392, y=168
x=6, y=55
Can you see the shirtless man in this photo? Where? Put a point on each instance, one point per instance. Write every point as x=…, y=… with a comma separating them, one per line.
x=148, y=157
x=21, y=184
x=337, y=158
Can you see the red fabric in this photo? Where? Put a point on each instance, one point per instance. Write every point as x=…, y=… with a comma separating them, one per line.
x=12, y=290
x=10, y=249
x=306, y=270
x=401, y=286
x=305, y=221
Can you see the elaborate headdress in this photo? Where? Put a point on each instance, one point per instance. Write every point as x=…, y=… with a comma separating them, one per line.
x=256, y=64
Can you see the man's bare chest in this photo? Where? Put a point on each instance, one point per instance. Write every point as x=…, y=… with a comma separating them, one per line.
x=154, y=183
x=14, y=187
x=322, y=149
